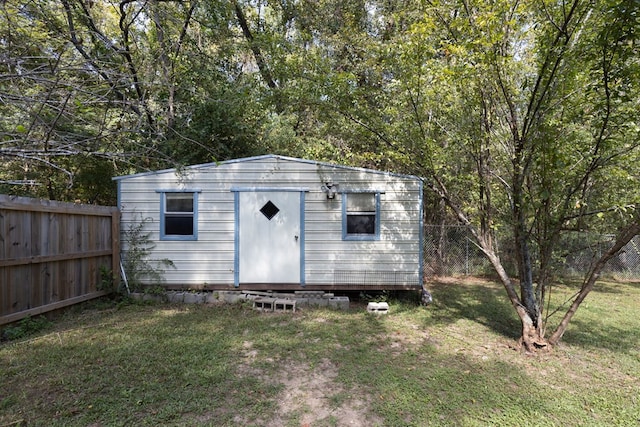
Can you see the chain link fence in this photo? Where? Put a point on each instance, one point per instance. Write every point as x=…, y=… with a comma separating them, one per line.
x=450, y=250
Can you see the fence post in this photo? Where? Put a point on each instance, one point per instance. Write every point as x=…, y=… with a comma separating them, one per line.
x=115, y=247
x=466, y=255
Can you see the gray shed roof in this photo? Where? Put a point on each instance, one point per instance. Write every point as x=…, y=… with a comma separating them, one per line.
x=263, y=157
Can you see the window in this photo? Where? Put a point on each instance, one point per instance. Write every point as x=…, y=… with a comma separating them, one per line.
x=178, y=219
x=361, y=216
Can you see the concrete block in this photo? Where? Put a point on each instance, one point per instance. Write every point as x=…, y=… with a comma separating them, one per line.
x=253, y=294
x=193, y=298
x=302, y=302
x=264, y=304
x=378, y=307
x=284, y=305
x=308, y=294
x=152, y=297
x=230, y=296
x=283, y=295
x=211, y=298
x=175, y=297
x=319, y=301
x=340, y=303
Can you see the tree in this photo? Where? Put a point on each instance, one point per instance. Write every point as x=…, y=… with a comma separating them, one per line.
x=520, y=115
x=116, y=82
x=72, y=89
x=559, y=140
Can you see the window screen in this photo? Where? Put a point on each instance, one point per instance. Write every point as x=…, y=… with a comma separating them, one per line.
x=179, y=214
x=361, y=215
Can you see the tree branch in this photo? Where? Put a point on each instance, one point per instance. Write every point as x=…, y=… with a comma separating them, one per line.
x=257, y=52
x=126, y=53
x=548, y=69
x=622, y=239
x=77, y=43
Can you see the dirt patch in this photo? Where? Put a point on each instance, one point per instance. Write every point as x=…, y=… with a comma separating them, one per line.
x=312, y=397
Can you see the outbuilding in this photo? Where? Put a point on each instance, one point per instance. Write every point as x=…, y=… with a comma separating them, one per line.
x=278, y=223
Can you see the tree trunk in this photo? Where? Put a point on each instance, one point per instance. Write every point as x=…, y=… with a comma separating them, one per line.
x=531, y=339
x=532, y=330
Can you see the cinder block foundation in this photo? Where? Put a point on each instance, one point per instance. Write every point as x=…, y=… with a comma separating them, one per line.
x=263, y=301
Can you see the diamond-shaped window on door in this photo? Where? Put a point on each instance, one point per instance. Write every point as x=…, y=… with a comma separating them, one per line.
x=269, y=210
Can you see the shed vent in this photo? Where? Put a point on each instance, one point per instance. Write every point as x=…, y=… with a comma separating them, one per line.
x=374, y=278
x=269, y=210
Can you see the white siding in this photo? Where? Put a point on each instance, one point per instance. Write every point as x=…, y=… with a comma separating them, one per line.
x=327, y=258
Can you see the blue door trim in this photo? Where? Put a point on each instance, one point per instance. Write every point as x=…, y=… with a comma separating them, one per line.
x=236, y=233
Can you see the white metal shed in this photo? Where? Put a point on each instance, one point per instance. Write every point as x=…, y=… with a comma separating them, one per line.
x=279, y=223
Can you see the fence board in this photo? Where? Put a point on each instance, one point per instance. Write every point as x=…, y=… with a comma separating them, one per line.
x=52, y=254
x=52, y=258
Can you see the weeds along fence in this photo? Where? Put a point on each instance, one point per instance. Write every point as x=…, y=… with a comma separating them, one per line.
x=450, y=250
x=54, y=254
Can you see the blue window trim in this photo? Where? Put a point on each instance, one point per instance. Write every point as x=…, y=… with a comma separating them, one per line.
x=360, y=237
x=163, y=204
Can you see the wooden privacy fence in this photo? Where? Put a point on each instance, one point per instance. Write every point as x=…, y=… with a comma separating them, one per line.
x=54, y=254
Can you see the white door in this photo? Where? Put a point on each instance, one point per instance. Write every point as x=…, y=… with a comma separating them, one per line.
x=269, y=237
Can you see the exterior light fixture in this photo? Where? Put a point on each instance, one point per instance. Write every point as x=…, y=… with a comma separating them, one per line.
x=331, y=189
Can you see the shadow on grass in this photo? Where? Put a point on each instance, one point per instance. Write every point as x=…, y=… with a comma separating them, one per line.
x=589, y=334
x=593, y=326
x=485, y=303
x=196, y=365
x=607, y=319
x=601, y=286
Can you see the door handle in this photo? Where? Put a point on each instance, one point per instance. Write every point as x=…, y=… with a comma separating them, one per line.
x=295, y=237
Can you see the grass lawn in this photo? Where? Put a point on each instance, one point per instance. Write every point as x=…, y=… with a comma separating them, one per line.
x=452, y=363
